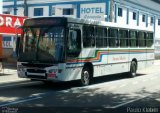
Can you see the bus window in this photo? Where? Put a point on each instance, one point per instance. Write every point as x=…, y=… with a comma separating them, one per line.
x=88, y=36
x=141, y=39
x=99, y=37
x=105, y=37
x=113, y=37
x=133, y=38
x=149, y=39
x=74, y=43
x=123, y=36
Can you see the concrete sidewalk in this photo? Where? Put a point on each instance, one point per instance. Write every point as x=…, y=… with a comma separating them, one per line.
x=9, y=74
x=157, y=62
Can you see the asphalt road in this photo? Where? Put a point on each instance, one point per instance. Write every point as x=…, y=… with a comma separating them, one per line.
x=113, y=93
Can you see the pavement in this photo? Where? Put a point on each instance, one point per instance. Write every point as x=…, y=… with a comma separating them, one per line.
x=9, y=72
x=157, y=62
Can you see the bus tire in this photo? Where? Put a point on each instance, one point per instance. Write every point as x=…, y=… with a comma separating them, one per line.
x=133, y=69
x=85, y=77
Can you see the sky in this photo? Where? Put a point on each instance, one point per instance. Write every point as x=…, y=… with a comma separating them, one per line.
x=0, y=6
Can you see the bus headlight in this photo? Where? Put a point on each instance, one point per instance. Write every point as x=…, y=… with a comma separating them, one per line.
x=20, y=68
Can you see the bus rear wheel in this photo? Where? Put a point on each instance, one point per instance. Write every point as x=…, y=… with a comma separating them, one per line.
x=133, y=69
x=85, y=76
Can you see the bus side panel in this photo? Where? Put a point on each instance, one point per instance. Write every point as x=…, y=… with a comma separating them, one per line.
x=139, y=55
x=112, y=69
x=118, y=60
x=72, y=73
x=150, y=57
x=100, y=66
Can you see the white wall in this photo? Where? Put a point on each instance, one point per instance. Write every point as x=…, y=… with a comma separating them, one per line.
x=150, y=25
x=157, y=31
x=141, y=23
x=132, y=22
x=122, y=20
x=59, y=10
x=20, y=11
x=31, y=11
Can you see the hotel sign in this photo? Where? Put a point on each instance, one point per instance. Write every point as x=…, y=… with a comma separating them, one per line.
x=95, y=11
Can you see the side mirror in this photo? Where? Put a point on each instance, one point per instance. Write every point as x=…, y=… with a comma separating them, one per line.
x=18, y=30
x=17, y=45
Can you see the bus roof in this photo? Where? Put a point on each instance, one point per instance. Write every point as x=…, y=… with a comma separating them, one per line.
x=97, y=23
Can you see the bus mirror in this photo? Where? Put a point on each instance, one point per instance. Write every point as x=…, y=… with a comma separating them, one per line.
x=19, y=28
x=17, y=45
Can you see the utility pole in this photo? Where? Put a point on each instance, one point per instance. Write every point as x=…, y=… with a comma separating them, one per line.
x=111, y=10
x=15, y=7
x=25, y=8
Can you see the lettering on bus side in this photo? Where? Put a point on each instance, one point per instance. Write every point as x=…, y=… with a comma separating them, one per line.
x=74, y=26
x=119, y=58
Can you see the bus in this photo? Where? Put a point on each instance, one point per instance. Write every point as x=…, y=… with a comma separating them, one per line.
x=65, y=49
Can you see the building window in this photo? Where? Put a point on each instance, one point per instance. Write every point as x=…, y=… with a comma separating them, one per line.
x=38, y=11
x=68, y=11
x=134, y=16
x=53, y=10
x=143, y=18
x=120, y=12
x=158, y=21
x=151, y=20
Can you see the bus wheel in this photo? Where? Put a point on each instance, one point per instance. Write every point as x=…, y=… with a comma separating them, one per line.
x=85, y=77
x=133, y=69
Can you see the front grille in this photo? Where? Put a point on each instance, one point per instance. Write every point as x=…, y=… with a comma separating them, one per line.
x=36, y=65
x=36, y=77
x=36, y=71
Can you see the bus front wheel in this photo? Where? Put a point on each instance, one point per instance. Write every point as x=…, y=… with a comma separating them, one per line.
x=85, y=76
x=133, y=69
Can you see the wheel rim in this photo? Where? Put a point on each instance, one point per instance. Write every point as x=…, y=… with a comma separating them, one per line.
x=85, y=78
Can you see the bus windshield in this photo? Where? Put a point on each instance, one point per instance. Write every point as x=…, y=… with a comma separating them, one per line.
x=42, y=44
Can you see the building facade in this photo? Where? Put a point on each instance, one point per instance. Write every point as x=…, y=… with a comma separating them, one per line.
x=141, y=13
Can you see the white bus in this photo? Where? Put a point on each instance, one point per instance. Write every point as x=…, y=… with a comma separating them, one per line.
x=65, y=49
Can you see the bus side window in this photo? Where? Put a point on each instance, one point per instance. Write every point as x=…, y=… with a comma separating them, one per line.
x=99, y=35
x=123, y=36
x=88, y=36
x=113, y=37
x=149, y=39
x=141, y=39
x=105, y=31
x=74, y=42
x=133, y=38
